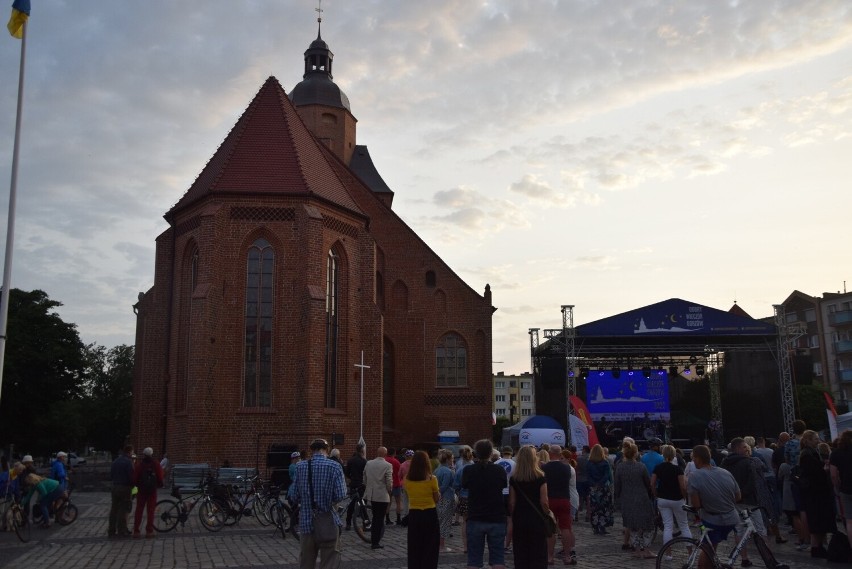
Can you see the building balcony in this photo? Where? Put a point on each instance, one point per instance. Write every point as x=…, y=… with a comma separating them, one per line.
x=843, y=347
x=845, y=375
x=840, y=318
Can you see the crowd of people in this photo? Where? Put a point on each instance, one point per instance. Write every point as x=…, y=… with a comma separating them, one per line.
x=21, y=482
x=527, y=501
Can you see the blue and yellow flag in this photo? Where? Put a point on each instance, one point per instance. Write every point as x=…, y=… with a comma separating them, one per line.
x=20, y=14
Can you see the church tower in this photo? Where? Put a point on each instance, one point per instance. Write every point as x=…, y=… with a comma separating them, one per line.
x=321, y=104
x=283, y=271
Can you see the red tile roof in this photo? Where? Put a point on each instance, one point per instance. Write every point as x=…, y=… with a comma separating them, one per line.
x=269, y=151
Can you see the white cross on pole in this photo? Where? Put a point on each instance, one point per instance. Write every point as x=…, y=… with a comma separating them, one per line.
x=363, y=367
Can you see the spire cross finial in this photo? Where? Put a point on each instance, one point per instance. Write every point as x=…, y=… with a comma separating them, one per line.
x=318, y=10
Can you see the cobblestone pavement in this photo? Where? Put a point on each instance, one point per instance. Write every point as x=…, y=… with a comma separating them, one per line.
x=250, y=546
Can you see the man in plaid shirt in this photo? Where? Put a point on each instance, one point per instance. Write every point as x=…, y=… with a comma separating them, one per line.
x=329, y=487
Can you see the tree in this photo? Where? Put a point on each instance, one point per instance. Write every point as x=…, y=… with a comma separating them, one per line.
x=810, y=406
x=43, y=378
x=497, y=429
x=108, y=391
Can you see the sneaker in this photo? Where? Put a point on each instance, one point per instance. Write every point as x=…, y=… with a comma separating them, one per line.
x=388, y=523
x=747, y=563
x=802, y=546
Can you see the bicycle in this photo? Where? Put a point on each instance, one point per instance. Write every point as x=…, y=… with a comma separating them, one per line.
x=360, y=516
x=169, y=513
x=19, y=520
x=688, y=553
x=65, y=512
x=235, y=498
x=279, y=513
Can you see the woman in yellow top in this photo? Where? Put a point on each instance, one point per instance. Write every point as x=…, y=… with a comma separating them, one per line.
x=424, y=536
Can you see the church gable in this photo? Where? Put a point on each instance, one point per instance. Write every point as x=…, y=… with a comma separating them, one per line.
x=269, y=151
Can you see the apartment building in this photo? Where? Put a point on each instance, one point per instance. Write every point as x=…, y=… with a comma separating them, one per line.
x=513, y=396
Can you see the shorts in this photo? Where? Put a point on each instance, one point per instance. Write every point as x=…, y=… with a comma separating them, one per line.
x=717, y=533
x=397, y=491
x=561, y=508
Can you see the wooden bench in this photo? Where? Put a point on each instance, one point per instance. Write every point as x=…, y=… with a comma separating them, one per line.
x=189, y=476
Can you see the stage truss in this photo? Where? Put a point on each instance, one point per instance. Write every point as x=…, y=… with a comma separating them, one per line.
x=589, y=353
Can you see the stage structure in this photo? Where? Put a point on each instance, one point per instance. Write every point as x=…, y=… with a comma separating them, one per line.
x=637, y=352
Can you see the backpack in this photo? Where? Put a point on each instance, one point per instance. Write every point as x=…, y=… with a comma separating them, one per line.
x=838, y=548
x=148, y=480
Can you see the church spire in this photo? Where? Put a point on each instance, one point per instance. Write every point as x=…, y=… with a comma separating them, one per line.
x=318, y=57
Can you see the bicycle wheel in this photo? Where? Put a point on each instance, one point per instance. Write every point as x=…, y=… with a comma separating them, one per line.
x=211, y=515
x=166, y=515
x=766, y=553
x=21, y=525
x=261, y=509
x=682, y=553
x=280, y=515
x=362, y=522
x=66, y=514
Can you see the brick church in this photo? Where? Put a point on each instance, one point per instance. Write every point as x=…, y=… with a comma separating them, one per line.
x=282, y=263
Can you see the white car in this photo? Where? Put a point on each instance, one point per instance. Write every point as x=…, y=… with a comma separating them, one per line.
x=74, y=460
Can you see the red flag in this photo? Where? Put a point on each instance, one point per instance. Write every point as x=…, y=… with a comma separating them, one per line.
x=582, y=412
x=830, y=403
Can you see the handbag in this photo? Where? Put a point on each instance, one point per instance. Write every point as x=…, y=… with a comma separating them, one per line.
x=325, y=527
x=550, y=525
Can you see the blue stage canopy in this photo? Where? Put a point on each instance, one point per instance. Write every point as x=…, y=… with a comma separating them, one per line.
x=676, y=317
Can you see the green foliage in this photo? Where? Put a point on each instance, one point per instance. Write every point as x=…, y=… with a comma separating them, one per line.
x=810, y=406
x=57, y=392
x=497, y=430
x=108, y=401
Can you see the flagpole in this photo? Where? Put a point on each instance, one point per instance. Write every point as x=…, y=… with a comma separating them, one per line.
x=10, y=224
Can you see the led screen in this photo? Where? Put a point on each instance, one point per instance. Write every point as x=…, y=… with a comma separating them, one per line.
x=630, y=395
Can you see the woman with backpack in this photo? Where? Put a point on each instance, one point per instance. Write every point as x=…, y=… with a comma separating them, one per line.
x=148, y=476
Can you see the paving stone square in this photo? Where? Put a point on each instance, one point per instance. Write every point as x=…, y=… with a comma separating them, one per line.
x=248, y=545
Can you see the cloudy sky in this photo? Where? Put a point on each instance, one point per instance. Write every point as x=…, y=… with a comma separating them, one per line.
x=603, y=154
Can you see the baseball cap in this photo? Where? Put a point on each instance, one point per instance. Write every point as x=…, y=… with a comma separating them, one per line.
x=319, y=444
x=148, y=451
x=295, y=454
x=27, y=458
x=506, y=449
x=409, y=452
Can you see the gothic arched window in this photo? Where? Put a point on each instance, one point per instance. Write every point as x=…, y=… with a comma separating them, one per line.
x=258, y=325
x=451, y=361
x=332, y=327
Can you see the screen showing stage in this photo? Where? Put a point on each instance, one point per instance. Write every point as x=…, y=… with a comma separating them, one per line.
x=630, y=395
